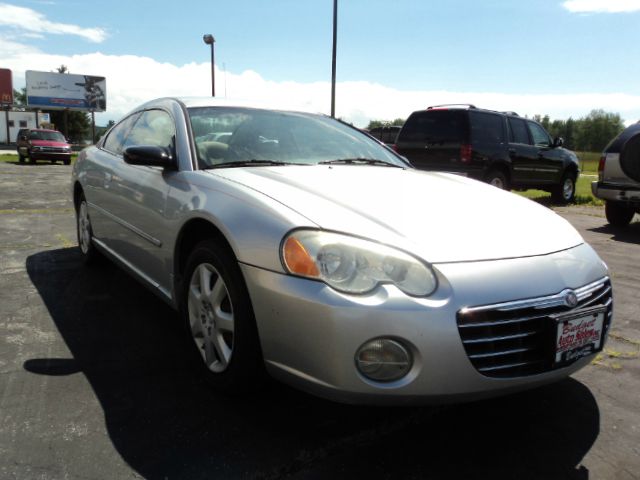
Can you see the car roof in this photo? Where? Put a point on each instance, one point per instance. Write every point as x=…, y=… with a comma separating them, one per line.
x=466, y=107
x=265, y=104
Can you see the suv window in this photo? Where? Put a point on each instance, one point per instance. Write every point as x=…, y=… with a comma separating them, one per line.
x=115, y=140
x=436, y=126
x=539, y=135
x=518, y=131
x=486, y=127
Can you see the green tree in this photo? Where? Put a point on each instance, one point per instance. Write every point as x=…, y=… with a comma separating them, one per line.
x=597, y=129
x=20, y=97
x=385, y=123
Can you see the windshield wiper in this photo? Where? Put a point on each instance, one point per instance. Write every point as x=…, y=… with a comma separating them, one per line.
x=359, y=161
x=249, y=163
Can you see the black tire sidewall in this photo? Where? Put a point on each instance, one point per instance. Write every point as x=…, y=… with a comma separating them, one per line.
x=498, y=174
x=558, y=192
x=245, y=371
x=618, y=214
x=92, y=255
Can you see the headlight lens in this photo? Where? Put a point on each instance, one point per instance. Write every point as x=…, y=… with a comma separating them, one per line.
x=354, y=265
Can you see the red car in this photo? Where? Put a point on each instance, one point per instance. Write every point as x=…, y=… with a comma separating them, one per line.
x=43, y=144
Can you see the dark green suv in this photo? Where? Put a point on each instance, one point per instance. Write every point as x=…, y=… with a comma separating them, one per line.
x=500, y=148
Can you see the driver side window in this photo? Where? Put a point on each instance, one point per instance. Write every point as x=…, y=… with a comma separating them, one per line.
x=153, y=127
x=539, y=135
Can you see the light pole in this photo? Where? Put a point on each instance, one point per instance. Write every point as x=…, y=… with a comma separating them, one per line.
x=333, y=59
x=209, y=40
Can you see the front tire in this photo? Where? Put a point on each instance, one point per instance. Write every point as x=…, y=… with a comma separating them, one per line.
x=219, y=320
x=565, y=192
x=618, y=214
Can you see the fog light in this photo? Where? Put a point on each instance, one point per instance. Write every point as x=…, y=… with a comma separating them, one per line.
x=383, y=360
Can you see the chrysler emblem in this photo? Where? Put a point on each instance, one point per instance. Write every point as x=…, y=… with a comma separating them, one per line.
x=570, y=299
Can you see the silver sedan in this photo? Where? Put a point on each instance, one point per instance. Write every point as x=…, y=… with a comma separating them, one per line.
x=294, y=245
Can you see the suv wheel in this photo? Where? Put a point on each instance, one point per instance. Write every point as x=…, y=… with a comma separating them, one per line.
x=565, y=192
x=618, y=214
x=497, y=179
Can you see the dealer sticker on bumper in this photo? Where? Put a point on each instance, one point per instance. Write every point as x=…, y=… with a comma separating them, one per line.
x=579, y=334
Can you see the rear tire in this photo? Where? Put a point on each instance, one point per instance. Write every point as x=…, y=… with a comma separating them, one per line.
x=90, y=254
x=565, y=192
x=498, y=179
x=618, y=214
x=219, y=320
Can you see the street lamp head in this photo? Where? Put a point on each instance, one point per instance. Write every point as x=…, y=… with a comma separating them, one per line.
x=208, y=39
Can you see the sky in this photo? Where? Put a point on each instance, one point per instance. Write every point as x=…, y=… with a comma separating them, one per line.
x=563, y=58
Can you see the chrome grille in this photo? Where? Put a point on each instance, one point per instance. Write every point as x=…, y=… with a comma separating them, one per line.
x=514, y=339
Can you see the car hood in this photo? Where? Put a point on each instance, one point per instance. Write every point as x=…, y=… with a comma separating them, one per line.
x=440, y=217
x=48, y=143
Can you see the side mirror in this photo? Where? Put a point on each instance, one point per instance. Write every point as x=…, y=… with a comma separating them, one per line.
x=149, y=155
x=558, y=142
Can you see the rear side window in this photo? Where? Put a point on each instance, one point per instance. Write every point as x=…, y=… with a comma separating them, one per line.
x=436, y=126
x=486, y=127
x=518, y=131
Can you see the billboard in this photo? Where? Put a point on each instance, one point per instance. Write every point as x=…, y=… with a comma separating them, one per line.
x=6, y=87
x=63, y=90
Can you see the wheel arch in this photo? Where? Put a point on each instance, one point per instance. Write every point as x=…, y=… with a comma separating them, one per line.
x=500, y=166
x=77, y=192
x=573, y=168
x=192, y=232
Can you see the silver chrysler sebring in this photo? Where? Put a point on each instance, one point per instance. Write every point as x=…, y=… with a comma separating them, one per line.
x=294, y=245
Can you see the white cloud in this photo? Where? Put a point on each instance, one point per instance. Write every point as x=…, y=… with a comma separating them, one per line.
x=30, y=21
x=602, y=6
x=132, y=80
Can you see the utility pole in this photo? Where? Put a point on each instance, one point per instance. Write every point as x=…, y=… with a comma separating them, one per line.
x=333, y=59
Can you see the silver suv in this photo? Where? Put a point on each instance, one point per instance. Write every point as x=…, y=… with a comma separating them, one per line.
x=619, y=177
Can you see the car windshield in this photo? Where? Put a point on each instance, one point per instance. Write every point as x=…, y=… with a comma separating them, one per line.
x=226, y=136
x=42, y=135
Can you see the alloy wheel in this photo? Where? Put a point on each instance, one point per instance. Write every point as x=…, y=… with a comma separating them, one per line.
x=211, y=317
x=84, y=228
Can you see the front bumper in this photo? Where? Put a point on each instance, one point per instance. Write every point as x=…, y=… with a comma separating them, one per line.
x=52, y=156
x=310, y=333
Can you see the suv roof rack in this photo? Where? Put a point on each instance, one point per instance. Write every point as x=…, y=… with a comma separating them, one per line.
x=468, y=105
x=511, y=113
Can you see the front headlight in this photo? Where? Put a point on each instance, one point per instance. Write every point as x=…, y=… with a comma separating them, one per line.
x=354, y=265
x=36, y=148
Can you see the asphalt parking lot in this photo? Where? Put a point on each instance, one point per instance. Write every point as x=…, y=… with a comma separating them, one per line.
x=95, y=385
